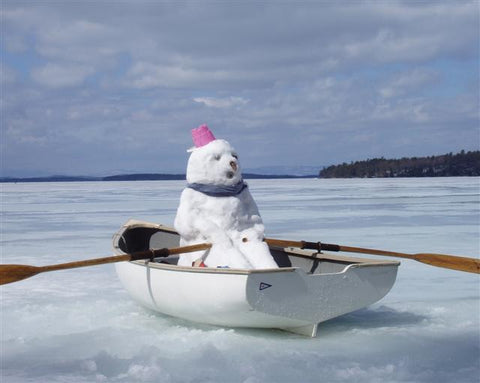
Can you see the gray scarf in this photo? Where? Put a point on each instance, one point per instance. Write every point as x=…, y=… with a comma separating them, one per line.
x=219, y=190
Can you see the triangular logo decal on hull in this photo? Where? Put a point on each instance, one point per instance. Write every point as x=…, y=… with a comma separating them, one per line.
x=264, y=285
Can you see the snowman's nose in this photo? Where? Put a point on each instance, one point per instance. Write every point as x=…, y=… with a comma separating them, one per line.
x=234, y=165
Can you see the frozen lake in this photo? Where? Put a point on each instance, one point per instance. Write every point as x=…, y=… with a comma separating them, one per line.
x=81, y=326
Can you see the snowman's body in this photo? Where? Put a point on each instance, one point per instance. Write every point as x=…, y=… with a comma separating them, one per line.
x=218, y=208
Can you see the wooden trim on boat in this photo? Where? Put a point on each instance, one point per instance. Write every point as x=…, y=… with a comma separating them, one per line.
x=209, y=270
x=312, y=255
x=338, y=258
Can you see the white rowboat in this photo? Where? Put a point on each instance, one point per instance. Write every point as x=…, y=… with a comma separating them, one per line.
x=308, y=288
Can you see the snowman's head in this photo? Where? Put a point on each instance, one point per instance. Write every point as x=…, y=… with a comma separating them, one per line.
x=215, y=163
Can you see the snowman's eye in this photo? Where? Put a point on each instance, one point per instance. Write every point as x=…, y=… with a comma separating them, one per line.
x=217, y=157
x=235, y=155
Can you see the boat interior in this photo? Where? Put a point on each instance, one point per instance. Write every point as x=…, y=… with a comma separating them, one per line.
x=141, y=238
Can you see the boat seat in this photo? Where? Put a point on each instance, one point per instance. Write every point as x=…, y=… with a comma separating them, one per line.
x=136, y=239
x=280, y=257
x=171, y=260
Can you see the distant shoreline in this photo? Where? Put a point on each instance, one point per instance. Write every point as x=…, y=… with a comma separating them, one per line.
x=136, y=177
x=462, y=164
x=173, y=177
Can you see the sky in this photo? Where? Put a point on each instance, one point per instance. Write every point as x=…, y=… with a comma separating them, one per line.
x=110, y=87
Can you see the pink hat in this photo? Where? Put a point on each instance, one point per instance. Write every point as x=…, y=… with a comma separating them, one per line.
x=201, y=136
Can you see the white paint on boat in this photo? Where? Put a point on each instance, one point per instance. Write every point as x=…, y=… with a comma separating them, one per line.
x=293, y=298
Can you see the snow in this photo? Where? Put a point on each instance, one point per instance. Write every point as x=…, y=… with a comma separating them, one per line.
x=231, y=223
x=81, y=326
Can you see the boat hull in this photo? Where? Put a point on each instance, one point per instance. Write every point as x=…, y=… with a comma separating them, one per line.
x=290, y=298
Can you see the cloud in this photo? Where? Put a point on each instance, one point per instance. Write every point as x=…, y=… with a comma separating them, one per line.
x=327, y=75
x=7, y=74
x=144, y=75
x=182, y=46
x=221, y=102
x=57, y=75
x=409, y=81
x=411, y=34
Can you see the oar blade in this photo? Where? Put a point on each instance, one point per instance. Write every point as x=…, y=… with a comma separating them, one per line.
x=14, y=273
x=469, y=265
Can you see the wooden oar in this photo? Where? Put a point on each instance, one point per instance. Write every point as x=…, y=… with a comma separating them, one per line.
x=470, y=265
x=14, y=273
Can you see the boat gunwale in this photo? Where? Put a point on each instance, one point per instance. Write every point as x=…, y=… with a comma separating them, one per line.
x=212, y=270
x=208, y=270
x=350, y=262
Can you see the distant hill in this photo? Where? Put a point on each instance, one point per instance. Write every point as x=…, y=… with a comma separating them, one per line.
x=49, y=179
x=144, y=177
x=447, y=165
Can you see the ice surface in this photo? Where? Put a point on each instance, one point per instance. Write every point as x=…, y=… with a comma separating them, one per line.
x=81, y=326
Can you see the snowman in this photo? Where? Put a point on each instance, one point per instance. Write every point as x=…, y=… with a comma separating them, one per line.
x=216, y=207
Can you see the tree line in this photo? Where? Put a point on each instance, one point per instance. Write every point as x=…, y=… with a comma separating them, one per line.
x=447, y=165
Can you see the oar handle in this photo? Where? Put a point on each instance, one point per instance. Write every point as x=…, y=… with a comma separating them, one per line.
x=319, y=246
x=303, y=244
